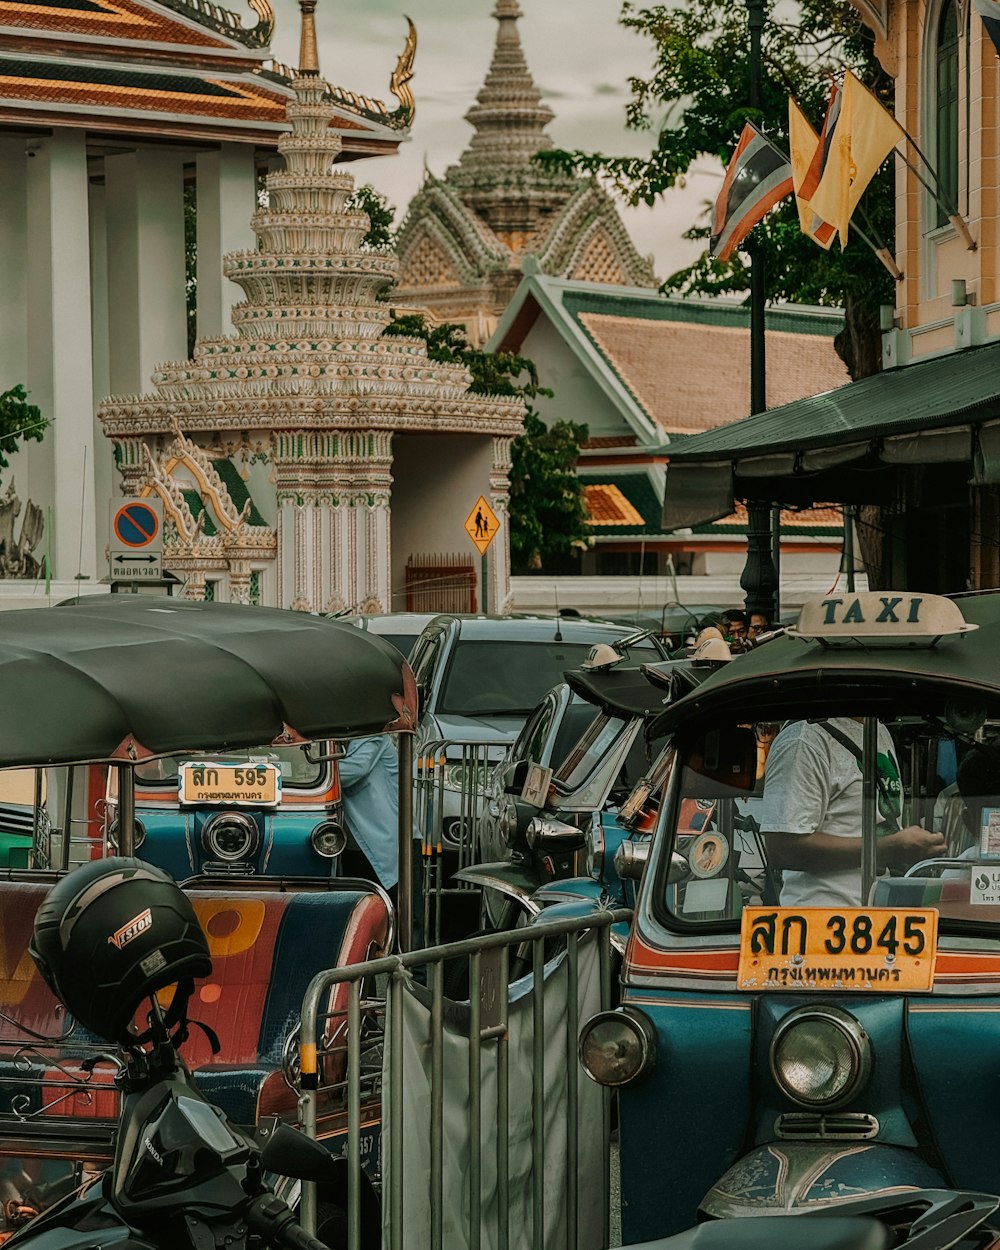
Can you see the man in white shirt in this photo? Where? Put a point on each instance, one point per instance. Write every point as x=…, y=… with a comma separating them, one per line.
x=811, y=817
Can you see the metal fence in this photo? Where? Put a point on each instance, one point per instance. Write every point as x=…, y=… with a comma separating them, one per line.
x=552, y=1084
x=450, y=790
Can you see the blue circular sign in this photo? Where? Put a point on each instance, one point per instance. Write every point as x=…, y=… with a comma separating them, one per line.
x=136, y=524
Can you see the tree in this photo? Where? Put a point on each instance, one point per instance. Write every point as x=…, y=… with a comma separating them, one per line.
x=381, y=215
x=18, y=420
x=547, y=513
x=701, y=79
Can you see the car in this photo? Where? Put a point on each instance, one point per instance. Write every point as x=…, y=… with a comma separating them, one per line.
x=478, y=680
x=402, y=629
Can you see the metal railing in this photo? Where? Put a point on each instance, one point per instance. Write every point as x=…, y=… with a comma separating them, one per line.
x=450, y=789
x=492, y=963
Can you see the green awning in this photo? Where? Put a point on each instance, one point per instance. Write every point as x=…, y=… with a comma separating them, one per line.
x=847, y=444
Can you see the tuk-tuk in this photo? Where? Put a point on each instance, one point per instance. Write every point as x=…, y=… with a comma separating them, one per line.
x=812, y=977
x=105, y=689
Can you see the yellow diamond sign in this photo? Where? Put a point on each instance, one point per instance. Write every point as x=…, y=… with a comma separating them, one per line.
x=481, y=525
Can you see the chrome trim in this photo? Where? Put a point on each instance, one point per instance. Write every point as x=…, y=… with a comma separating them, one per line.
x=240, y=820
x=815, y=1126
x=851, y=1029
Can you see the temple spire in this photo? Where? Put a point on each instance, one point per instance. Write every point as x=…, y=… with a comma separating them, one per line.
x=308, y=52
x=509, y=116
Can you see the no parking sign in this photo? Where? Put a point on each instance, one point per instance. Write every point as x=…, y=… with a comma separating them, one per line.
x=136, y=547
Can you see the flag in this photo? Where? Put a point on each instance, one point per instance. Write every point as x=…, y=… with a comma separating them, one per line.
x=805, y=146
x=758, y=177
x=989, y=11
x=821, y=154
x=864, y=135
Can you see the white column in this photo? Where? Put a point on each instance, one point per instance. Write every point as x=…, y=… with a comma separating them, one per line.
x=13, y=263
x=59, y=319
x=227, y=198
x=145, y=216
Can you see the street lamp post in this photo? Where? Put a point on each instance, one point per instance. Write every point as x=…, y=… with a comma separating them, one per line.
x=760, y=577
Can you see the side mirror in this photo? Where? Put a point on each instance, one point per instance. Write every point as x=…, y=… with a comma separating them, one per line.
x=291, y=1153
x=421, y=700
x=515, y=776
x=554, y=835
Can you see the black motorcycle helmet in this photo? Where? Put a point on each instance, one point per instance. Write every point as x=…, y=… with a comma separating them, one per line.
x=112, y=933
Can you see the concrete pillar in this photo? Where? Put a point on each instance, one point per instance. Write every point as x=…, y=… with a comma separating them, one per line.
x=146, y=301
x=13, y=263
x=226, y=198
x=60, y=343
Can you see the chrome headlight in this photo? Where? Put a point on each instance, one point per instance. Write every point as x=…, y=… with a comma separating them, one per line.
x=617, y=1046
x=820, y=1056
x=140, y=834
x=230, y=835
x=328, y=839
x=595, y=848
x=470, y=777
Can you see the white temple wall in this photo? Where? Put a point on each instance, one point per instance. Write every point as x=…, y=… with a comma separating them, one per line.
x=13, y=264
x=227, y=199
x=145, y=216
x=437, y=479
x=107, y=483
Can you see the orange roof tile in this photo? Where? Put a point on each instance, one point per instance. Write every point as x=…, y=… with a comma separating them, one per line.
x=691, y=376
x=608, y=506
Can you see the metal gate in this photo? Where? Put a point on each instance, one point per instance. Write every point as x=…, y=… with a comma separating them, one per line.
x=440, y=583
x=551, y=1093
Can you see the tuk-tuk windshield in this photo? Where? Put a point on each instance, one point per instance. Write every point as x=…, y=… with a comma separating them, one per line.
x=296, y=768
x=834, y=813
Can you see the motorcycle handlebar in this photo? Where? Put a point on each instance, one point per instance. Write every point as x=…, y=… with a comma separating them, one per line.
x=272, y=1219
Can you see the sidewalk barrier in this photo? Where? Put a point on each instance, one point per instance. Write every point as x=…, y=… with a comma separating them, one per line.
x=492, y=1136
x=450, y=785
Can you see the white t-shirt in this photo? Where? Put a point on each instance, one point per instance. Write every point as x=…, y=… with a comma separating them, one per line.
x=813, y=784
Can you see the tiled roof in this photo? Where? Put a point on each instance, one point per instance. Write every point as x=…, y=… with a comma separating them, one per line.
x=826, y=522
x=691, y=376
x=610, y=440
x=84, y=86
x=622, y=504
x=127, y=20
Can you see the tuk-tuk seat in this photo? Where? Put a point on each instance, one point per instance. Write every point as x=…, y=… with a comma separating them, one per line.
x=266, y=948
x=919, y=891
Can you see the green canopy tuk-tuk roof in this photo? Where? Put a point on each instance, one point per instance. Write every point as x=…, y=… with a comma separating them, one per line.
x=793, y=677
x=125, y=677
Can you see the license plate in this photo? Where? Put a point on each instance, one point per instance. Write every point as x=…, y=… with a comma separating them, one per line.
x=814, y=948
x=239, y=785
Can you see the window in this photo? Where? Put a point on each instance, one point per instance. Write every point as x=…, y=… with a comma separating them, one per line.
x=210, y=591
x=946, y=112
x=255, y=577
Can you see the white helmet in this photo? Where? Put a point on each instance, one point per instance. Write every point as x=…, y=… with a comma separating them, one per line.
x=601, y=656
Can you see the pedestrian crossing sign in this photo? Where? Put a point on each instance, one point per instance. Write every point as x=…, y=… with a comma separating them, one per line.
x=481, y=525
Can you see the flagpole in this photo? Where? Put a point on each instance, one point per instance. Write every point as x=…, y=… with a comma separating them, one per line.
x=760, y=576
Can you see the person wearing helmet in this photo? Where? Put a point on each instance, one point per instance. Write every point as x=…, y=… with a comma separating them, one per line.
x=110, y=935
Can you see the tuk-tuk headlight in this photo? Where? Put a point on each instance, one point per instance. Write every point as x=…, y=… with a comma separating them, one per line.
x=230, y=835
x=328, y=839
x=617, y=1046
x=820, y=1056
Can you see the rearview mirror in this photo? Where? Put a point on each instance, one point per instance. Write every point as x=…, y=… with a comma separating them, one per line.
x=515, y=776
x=291, y=1153
x=722, y=762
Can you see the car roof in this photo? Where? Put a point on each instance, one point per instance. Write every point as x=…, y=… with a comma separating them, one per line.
x=533, y=628
x=390, y=622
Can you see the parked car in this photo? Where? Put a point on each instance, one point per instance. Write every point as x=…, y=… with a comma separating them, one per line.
x=478, y=679
x=402, y=629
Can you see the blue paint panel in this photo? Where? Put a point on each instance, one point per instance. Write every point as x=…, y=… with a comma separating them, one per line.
x=309, y=941
x=284, y=841
x=956, y=1055
x=685, y=1123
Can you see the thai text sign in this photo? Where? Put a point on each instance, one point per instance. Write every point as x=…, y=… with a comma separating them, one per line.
x=240, y=785
x=815, y=948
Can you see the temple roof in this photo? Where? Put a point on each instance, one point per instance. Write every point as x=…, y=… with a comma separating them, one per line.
x=184, y=68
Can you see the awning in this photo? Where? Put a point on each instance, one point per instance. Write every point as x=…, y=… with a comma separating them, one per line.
x=847, y=444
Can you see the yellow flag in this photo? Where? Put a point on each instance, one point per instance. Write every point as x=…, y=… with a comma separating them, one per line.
x=804, y=143
x=865, y=134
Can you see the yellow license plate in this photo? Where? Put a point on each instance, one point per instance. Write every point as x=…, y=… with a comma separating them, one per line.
x=241, y=785
x=818, y=948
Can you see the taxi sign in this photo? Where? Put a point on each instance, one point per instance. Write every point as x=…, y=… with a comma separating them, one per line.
x=237, y=785
x=878, y=949
x=481, y=525
x=890, y=616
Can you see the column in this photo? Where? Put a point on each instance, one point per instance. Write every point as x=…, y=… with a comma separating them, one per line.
x=498, y=555
x=147, y=318
x=226, y=199
x=59, y=325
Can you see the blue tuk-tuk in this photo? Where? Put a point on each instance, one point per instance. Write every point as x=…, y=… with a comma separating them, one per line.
x=810, y=1007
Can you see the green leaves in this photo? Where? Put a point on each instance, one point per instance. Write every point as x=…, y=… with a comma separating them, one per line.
x=18, y=420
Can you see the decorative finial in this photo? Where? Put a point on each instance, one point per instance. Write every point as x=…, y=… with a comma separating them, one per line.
x=401, y=75
x=308, y=53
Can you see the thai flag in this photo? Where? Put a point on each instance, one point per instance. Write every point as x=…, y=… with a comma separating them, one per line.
x=758, y=177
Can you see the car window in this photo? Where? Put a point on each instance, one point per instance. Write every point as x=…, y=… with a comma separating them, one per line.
x=578, y=716
x=494, y=676
x=530, y=742
x=296, y=768
x=424, y=657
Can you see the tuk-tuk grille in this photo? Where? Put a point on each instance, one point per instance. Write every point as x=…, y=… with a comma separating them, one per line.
x=835, y=1126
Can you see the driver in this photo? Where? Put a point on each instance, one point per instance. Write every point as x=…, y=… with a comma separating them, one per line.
x=811, y=817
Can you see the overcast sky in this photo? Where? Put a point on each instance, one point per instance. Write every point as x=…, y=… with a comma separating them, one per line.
x=578, y=55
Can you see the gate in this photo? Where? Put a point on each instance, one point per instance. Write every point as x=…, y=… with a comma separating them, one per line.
x=440, y=583
x=525, y=1159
